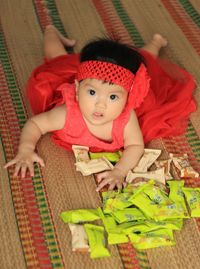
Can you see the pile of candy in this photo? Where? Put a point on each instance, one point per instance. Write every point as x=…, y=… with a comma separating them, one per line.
x=145, y=212
x=146, y=215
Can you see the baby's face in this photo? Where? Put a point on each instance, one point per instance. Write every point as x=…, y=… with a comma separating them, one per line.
x=99, y=102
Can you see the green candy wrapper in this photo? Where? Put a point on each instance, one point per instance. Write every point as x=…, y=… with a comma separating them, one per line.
x=128, y=214
x=193, y=199
x=158, y=238
x=156, y=195
x=79, y=215
x=176, y=193
x=156, y=211
x=111, y=156
x=115, y=202
x=114, y=235
x=151, y=225
x=96, y=241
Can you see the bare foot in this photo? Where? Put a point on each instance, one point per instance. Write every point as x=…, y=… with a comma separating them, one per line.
x=159, y=40
x=154, y=46
x=66, y=41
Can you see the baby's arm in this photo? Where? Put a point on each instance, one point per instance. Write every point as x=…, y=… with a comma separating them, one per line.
x=34, y=128
x=133, y=150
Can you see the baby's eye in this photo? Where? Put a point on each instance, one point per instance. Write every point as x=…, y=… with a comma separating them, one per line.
x=113, y=97
x=91, y=92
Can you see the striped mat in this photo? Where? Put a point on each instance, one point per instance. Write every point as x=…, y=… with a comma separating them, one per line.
x=32, y=234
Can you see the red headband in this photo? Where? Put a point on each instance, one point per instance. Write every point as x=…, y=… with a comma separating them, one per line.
x=137, y=85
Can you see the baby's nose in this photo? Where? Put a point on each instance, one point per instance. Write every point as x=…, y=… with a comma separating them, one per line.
x=101, y=102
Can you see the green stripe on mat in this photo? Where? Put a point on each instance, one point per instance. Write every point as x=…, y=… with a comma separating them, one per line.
x=193, y=141
x=130, y=27
x=55, y=17
x=11, y=82
x=194, y=15
x=21, y=116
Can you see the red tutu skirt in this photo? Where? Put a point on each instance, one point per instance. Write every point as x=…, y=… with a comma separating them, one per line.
x=164, y=112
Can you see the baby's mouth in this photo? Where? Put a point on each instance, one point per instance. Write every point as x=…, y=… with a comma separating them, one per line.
x=98, y=114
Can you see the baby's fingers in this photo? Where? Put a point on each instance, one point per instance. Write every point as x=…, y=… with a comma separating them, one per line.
x=31, y=169
x=102, y=184
x=23, y=170
x=40, y=161
x=17, y=168
x=10, y=163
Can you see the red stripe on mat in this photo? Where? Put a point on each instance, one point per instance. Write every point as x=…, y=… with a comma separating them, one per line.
x=111, y=21
x=183, y=20
x=21, y=193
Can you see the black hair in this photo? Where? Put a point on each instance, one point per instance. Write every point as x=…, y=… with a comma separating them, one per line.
x=109, y=50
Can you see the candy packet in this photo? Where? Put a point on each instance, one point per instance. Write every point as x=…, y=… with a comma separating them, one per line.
x=151, y=225
x=176, y=193
x=93, y=166
x=173, y=211
x=157, y=238
x=157, y=195
x=81, y=153
x=118, y=202
x=182, y=165
x=166, y=165
x=143, y=202
x=79, y=238
x=111, y=156
x=172, y=224
x=193, y=199
x=148, y=158
x=128, y=214
x=79, y=215
x=157, y=175
x=158, y=211
x=114, y=236
x=96, y=241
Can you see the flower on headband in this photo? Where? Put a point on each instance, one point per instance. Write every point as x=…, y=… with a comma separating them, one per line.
x=140, y=87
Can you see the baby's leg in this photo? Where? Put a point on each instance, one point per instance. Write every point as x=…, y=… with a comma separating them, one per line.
x=154, y=46
x=55, y=42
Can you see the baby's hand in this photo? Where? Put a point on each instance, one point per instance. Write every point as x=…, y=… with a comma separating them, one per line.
x=24, y=161
x=114, y=178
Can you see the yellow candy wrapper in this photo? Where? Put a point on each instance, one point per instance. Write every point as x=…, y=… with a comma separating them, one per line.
x=114, y=235
x=173, y=211
x=176, y=193
x=158, y=238
x=111, y=156
x=117, y=202
x=96, y=241
x=157, y=196
x=151, y=225
x=128, y=214
x=143, y=202
x=193, y=199
x=172, y=224
x=156, y=211
x=79, y=215
x=116, y=238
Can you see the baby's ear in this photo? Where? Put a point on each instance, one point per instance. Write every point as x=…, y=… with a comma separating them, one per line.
x=76, y=88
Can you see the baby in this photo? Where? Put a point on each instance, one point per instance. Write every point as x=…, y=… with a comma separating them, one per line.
x=97, y=110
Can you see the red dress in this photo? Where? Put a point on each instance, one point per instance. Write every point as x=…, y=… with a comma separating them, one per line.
x=164, y=112
x=75, y=131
